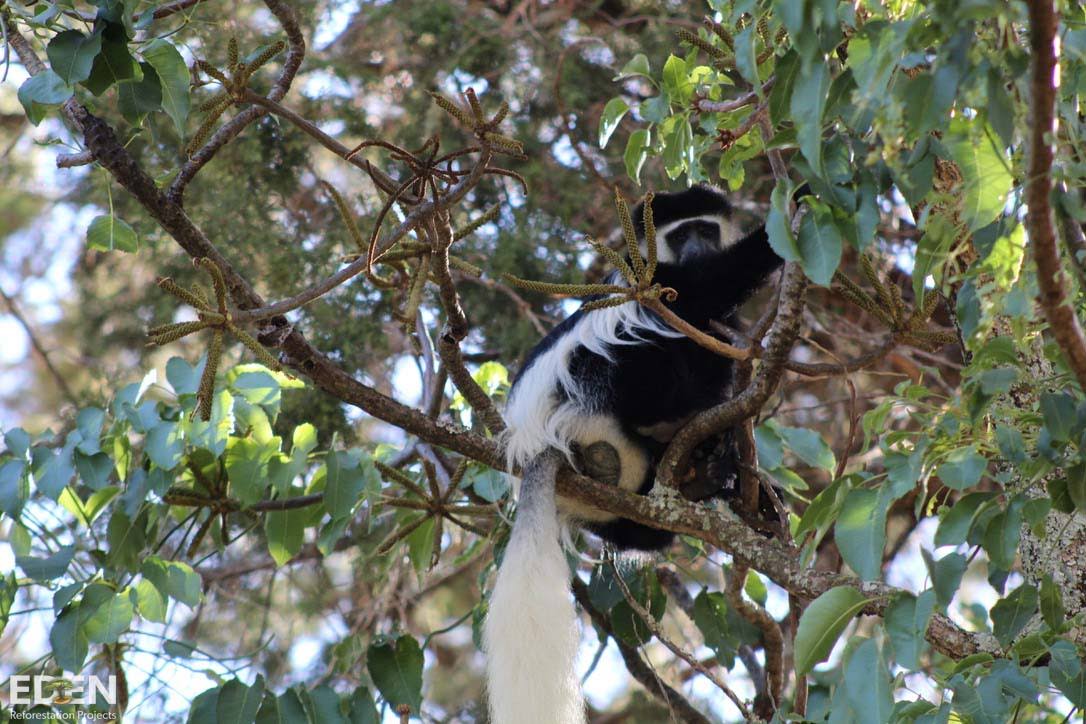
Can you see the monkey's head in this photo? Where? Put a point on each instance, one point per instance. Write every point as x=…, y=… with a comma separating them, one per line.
x=689, y=224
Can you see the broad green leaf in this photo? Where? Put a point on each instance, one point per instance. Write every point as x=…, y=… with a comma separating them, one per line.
x=285, y=531
x=344, y=483
x=1058, y=409
x=778, y=224
x=1012, y=612
x=867, y=682
x=363, y=709
x=68, y=641
x=812, y=85
x=946, y=575
x=1051, y=604
x=110, y=619
x=46, y=569
x=746, y=55
x=41, y=92
x=174, y=77
x=238, y=703
x=955, y=524
x=822, y=623
x=820, y=245
x=395, y=665
x=110, y=232
x=1068, y=673
x=1002, y=534
x=860, y=532
x=137, y=98
x=113, y=64
x=150, y=602
x=637, y=65
x=14, y=488
x=962, y=468
x=906, y=621
x=612, y=115
x=164, y=445
x=71, y=54
x=808, y=446
x=986, y=178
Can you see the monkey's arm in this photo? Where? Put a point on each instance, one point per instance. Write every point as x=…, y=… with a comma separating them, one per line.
x=711, y=286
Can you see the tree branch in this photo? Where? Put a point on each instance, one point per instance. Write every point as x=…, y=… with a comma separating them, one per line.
x=1040, y=221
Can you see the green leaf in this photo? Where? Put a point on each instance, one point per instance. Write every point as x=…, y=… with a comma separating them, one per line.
x=110, y=232
x=1002, y=534
x=71, y=54
x=962, y=468
x=164, y=445
x=41, y=92
x=1068, y=673
x=955, y=524
x=1051, y=604
x=637, y=65
x=860, y=532
x=174, y=77
x=344, y=483
x=363, y=709
x=127, y=540
x=867, y=682
x=674, y=78
x=238, y=703
x=395, y=665
x=808, y=103
x=110, y=619
x=822, y=623
x=137, y=98
x=150, y=602
x=113, y=64
x=1011, y=613
x=14, y=488
x=613, y=112
x=1059, y=414
x=68, y=641
x=820, y=245
x=986, y=178
x=285, y=531
x=746, y=55
x=778, y=224
x=247, y=467
x=175, y=579
x=94, y=470
x=906, y=622
x=46, y=569
x=808, y=446
x=946, y=575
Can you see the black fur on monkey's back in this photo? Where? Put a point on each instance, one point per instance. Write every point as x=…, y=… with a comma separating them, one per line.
x=667, y=379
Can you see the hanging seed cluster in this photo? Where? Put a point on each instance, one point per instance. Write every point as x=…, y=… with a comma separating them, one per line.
x=637, y=272
x=234, y=81
x=214, y=316
x=911, y=326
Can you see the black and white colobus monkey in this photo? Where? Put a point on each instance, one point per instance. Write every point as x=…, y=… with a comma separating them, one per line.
x=620, y=376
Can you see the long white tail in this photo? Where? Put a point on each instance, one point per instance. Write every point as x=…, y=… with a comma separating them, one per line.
x=530, y=634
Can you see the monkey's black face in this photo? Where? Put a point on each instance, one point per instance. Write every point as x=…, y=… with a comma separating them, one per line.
x=693, y=239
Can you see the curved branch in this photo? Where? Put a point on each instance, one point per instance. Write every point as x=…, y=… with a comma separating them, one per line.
x=1040, y=220
x=231, y=129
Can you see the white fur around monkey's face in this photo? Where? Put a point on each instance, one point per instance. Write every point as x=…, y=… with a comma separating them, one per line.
x=683, y=240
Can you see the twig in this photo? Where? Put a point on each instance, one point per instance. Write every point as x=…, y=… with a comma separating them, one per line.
x=686, y=656
x=639, y=670
x=61, y=382
x=232, y=128
x=1040, y=224
x=772, y=637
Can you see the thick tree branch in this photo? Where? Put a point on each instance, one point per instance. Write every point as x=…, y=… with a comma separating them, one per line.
x=1040, y=220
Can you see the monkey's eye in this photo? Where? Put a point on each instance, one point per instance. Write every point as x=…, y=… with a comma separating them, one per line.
x=693, y=239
